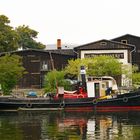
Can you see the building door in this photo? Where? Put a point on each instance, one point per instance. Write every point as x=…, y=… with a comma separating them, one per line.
x=97, y=90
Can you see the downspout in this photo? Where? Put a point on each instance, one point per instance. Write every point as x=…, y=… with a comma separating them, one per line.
x=134, y=49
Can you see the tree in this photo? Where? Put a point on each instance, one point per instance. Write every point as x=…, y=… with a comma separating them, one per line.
x=8, y=36
x=11, y=39
x=97, y=66
x=27, y=38
x=105, y=65
x=54, y=79
x=11, y=71
x=132, y=75
x=73, y=67
x=135, y=75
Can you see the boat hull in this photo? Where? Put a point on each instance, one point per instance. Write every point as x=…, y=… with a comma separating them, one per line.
x=15, y=103
x=124, y=102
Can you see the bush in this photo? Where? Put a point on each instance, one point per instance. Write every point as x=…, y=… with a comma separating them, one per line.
x=55, y=79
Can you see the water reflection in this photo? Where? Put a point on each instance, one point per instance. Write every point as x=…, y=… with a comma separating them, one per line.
x=69, y=126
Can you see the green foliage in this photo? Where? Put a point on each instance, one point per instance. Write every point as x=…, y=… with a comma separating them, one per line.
x=54, y=79
x=98, y=66
x=11, y=39
x=136, y=79
x=135, y=68
x=8, y=36
x=11, y=71
x=135, y=75
x=27, y=38
x=132, y=72
x=105, y=65
x=73, y=67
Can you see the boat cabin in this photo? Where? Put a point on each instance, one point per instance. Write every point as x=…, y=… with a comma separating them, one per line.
x=101, y=86
x=96, y=87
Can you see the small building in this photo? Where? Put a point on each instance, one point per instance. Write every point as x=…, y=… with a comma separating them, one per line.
x=38, y=62
x=133, y=40
x=119, y=50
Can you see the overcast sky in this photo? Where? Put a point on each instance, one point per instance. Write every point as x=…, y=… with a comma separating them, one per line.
x=75, y=21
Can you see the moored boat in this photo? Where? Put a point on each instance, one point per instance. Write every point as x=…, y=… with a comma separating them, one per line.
x=95, y=93
x=122, y=102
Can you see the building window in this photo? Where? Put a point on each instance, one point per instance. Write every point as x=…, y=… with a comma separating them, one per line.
x=124, y=41
x=103, y=43
x=44, y=65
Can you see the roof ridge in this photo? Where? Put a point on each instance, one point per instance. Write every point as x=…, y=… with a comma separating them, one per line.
x=112, y=41
x=126, y=35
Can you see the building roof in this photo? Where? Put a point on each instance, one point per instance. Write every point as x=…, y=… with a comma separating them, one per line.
x=68, y=52
x=104, y=44
x=126, y=35
x=63, y=46
x=63, y=51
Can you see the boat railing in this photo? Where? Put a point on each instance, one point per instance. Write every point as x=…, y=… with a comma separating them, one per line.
x=70, y=92
x=124, y=89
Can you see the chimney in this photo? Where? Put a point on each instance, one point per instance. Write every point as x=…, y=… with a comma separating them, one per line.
x=58, y=43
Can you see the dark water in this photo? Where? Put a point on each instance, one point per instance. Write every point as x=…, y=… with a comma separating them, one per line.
x=69, y=126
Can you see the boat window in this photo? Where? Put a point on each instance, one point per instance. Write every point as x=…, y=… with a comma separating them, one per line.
x=107, y=84
x=103, y=85
x=89, y=79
